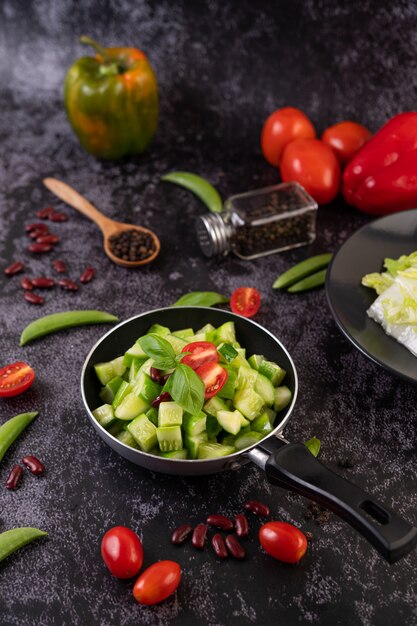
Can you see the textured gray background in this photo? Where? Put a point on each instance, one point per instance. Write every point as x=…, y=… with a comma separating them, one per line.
x=222, y=68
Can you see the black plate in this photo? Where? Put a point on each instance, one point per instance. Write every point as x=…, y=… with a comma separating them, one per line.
x=361, y=254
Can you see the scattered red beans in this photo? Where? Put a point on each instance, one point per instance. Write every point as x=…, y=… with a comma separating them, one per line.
x=48, y=239
x=39, y=248
x=14, y=477
x=14, y=268
x=199, y=536
x=43, y=283
x=58, y=217
x=26, y=283
x=241, y=525
x=163, y=397
x=257, y=507
x=155, y=374
x=181, y=533
x=36, y=226
x=44, y=214
x=33, y=464
x=33, y=298
x=59, y=266
x=234, y=547
x=35, y=234
x=87, y=275
x=220, y=521
x=219, y=546
x=67, y=284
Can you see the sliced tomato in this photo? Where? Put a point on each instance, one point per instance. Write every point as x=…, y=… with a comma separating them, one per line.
x=200, y=352
x=245, y=301
x=214, y=377
x=15, y=378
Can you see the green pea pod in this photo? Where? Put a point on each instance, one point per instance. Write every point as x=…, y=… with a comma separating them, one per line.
x=301, y=270
x=201, y=298
x=309, y=282
x=12, y=540
x=59, y=321
x=198, y=185
x=10, y=430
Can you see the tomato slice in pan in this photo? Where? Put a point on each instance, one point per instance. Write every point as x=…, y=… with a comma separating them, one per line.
x=245, y=301
x=214, y=377
x=15, y=378
x=200, y=352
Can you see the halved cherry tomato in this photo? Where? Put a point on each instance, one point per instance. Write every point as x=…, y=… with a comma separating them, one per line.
x=314, y=165
x=15, y=379
x=245, y=301
x=200, y=352
x=157, y=582
x=281, y=127
x=283, y=541
x=346, y=139
x=122, y=552
x=214, y=377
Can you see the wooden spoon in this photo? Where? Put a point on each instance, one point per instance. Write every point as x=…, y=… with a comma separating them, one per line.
x=107, y=226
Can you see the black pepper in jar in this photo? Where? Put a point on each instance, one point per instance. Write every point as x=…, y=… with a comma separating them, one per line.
x=132, y=245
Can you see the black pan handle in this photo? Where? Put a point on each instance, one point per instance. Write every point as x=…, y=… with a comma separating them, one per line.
x=293, y=467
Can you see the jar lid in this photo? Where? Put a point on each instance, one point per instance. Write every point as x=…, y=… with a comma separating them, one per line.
x=212, y=234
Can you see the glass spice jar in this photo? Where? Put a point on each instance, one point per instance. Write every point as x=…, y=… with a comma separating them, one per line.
x=260, y=222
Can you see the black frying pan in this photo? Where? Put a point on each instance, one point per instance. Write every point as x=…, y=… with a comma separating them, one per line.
x=288, y=465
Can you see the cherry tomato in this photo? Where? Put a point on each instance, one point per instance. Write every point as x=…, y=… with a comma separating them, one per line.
x=314, y=165
x=201, y=352
x=157, y=582
x=245, y=301
x=346, y=139
x=283, y=541
x=15, y=379
x=214, y=377
x=281, y=127
x=122, y=552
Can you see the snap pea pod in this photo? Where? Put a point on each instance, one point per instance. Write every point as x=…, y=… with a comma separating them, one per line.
x=10, y=430
x=198, y=185
x=12, y=540
x=301, y=270
x=59, y=321
x=309, y=282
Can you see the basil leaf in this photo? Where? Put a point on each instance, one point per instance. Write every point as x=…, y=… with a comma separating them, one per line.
x=160, y=350
x=313, y=445
x=201, y=298
x=186, y=388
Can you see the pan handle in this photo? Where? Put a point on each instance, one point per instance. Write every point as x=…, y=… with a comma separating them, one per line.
x=293, y=467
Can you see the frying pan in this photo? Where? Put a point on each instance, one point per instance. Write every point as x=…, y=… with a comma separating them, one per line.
x=289, y=465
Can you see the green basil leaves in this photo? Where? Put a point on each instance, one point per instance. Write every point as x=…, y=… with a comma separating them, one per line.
x=186, y=388
x=160, y=350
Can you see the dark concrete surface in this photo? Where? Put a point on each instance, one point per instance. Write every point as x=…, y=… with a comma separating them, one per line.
x=222, y=68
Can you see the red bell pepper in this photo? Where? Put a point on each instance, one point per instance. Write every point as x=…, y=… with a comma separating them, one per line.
x=382, y=177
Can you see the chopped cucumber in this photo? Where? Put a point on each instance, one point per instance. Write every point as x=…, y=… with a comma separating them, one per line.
x=212, y=426
x=229, y=388
x=228, y=352
x=214, y=405
x=176, y=454
x=135, y=368
x=246, y=378
x=135, y=352
x=177, y=343
x=169, y=414
x=198, y=337
x=282, y=398
x=271, y=414
x=248, y=402
x=107, y=370
x=193, y=442
x=262, y=424
x=273, y=371
x=116, y=427
x=226, y=333
x=143, y=432
x=104, y=415
x=124, y=390
x=247, y=439
x=214, y=450
x=169, y=438
x=184, y=333
x=194, y=424
x=130, y=407
x=146, y=388
x=152, y=414
x=125, y=437
x=107, y=394
x=230, y=421
x=255, y=360
x=207, y=328
x=265, y=388
x=157, y=329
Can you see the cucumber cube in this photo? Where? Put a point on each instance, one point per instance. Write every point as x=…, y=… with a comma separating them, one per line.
x=226, y=333
x=124, y=390
x=169, y=438
x=230, y=421
x=169, y=414
x=271, y=415
x=255, y=360
x=262, y=424
x=282, y=398
x=146, y=388
x=143, y=432
x=125, y=437
x=193, y=442
x=108, y=393
x=135, y=352
x=184, y=333
x=212, y=426
x=265, y=388
x=214, y=405
x=130, y=407
x=197, y=337
x=157, y=329
x=214, y=450
x=194, y=424
x=273, y=371
x=104, y=415
x=176, y=342
x=176, y=454
x=248, y=402
x=246, y=378
x=104, y=371
x=248, y=439
x=227, y=352
x=116, y=427
x=207, y=328
x=229, y=388
x=152, y=415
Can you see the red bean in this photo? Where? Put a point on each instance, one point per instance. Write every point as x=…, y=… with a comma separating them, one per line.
x=67, y=284
x=234, y=547
x=87, y=275
x=163, y=397
x=39, y=248
x=35, y=234
x=43, y=283
x=219, y=546
x=242, y=526
x=26, y=283
x=36, y=226
x=48, y=239
x=58, y=217
x=181, y=533
x=155, y=374
x=14, y=268
x=220, y=521
x=163, y=379
x=33, y=464
x=33, y=298
x=59, y=266
x=44, y=214
x=257, y=507
x=14, y=477
x=199, y=536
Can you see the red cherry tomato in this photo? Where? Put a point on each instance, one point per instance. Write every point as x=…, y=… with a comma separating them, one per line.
x=346, y=139
x=281, y=127
x=314, y=165
x=283, y=541
x=157, y=582
x=214, y=377
x=122, y=552
x=201, y=352
x=245, y=301
x=15, y=379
